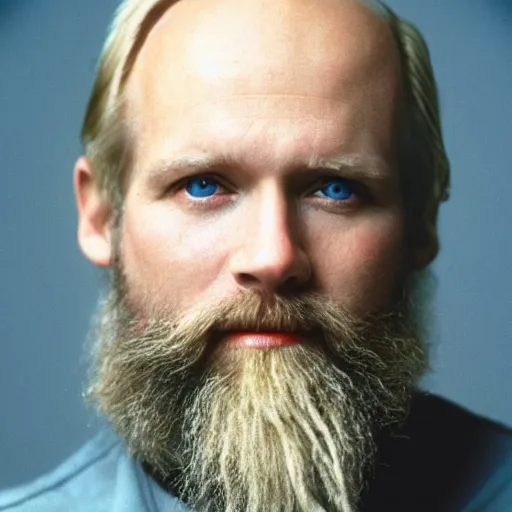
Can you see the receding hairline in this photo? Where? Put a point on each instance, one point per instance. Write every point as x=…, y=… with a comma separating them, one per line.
x=133, y=23
x=160, y=7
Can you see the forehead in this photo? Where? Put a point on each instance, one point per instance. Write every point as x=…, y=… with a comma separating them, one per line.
x=269, y=58
x=200, y=49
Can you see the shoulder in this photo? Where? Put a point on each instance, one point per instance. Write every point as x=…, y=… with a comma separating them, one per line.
x=496, y=494
x=85, y=480
x=474, y=454
x=448, y=459
x=458, y=435
x=477, y=455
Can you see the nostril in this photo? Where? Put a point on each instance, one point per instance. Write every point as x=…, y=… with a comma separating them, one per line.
x=247, y=278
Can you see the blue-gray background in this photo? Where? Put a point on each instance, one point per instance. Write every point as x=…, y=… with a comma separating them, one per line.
x=48, y=51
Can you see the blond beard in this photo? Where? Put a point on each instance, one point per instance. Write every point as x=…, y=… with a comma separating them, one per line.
x=231, y=429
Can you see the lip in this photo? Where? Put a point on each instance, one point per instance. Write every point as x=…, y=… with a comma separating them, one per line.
x=262, y=340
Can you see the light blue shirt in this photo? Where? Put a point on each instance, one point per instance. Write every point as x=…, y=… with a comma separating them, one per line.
x=100, y=477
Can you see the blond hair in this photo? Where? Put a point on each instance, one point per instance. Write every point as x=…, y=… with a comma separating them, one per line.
x=423, y=163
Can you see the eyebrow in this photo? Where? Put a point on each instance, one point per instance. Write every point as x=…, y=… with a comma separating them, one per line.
x=202, y=161
x=350, y=166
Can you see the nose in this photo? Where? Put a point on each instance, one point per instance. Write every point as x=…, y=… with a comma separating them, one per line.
x=269, y=257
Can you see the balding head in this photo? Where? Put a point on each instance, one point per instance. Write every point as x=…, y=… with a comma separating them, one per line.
x=290, y=46
x=248, y=58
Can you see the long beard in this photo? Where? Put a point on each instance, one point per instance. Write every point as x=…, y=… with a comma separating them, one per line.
x=232, y=429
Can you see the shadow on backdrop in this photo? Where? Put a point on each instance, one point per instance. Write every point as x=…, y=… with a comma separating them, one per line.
x=505, y=7
x=501, y=10
x=10, y=7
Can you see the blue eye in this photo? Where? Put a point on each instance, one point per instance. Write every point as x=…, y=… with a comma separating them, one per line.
x=338, y=189
x=201, y=187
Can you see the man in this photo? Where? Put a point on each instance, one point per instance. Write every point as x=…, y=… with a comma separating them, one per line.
x=262, y=178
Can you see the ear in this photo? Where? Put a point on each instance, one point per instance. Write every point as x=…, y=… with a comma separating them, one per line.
x=424, y=246
x=94, y=215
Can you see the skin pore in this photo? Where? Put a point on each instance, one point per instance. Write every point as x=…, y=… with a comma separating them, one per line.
x=263, y=176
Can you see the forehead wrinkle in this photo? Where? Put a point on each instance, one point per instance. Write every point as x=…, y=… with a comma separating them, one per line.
x=262, y=105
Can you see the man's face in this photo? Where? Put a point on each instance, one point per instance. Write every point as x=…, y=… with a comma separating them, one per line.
x=240, y=122
x=263, y=191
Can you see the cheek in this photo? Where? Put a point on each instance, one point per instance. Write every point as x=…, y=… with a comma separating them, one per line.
x=166, y=261
x=360, y=266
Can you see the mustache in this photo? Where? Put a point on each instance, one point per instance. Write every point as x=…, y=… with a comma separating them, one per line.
x=251, y=312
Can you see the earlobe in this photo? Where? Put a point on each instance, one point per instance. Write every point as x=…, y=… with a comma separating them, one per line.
x=424, y=249
x=94, y=215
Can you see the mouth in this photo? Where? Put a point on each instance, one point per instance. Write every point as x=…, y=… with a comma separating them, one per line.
x=262, y=340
